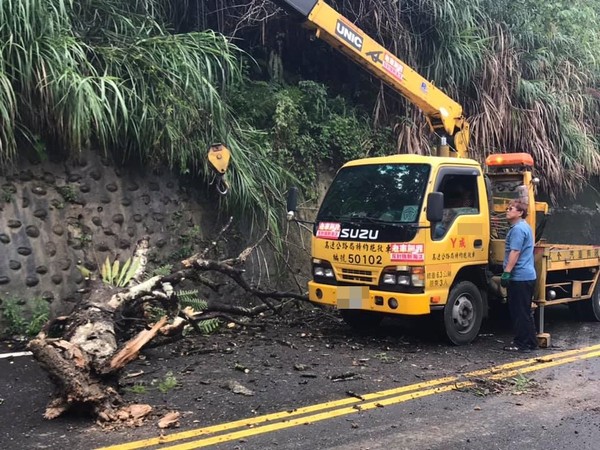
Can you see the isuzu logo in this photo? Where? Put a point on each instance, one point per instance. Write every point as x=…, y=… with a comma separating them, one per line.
x=359, y=234
x=349, y=35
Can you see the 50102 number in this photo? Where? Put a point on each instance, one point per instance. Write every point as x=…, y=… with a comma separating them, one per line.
x=364, y=259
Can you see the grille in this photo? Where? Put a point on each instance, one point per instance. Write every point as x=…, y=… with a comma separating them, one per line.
x=365, y=276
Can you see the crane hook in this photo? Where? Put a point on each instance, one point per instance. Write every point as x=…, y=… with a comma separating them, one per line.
x=218, y=157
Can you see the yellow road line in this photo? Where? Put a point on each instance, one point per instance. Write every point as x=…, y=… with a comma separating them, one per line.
x=262, y=424
x=272, y=417
x=311, y=419
x=546, y=364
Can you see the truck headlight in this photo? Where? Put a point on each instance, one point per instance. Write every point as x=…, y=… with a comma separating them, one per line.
x=389, y=278
x=404, y=276
x=320, y=271
x=404, y=280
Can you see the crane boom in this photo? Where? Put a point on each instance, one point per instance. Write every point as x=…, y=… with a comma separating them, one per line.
x=444, y=115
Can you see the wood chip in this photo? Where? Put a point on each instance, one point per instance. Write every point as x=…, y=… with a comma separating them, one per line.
x=170, y=420
x=138, y=411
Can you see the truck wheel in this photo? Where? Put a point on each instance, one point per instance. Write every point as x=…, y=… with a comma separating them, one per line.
x=361, y=320
x=589, y=310
x=463, y=313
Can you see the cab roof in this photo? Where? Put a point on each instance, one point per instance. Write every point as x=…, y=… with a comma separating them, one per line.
x=413, y=159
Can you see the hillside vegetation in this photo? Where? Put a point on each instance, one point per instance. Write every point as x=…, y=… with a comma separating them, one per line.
x=157, y=81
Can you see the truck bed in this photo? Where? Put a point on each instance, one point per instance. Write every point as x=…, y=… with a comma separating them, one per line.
x=566, y=273
x=567, y=256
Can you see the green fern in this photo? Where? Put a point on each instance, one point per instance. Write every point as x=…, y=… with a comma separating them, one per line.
x=209, y=326
x=39, y=316
x=155, y=313
x=163, y=270
x=19, y=318
x=190, y=298
x=187, y=294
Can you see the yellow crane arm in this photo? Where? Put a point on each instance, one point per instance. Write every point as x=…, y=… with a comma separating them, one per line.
x=444, y=115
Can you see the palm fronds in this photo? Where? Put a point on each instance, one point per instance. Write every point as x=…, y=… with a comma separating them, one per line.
x=525, y=72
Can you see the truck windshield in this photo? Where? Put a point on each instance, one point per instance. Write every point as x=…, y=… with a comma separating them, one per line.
x=380, y=193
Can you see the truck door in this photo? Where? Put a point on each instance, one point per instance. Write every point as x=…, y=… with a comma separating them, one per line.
x=462, y=235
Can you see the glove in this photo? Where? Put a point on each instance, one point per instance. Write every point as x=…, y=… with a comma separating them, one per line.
x=504, y=279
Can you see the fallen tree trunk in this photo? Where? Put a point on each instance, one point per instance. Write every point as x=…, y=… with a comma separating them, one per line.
x=81, y=352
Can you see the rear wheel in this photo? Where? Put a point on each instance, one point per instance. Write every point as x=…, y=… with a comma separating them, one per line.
x=589, y=310
x=361, y=320
x=463, y=313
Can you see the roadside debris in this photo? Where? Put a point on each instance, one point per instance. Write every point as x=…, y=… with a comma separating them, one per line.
x=169, y=420
x=343, y=377
x=241, y=368
x=130, y=416
x=92, y=346
x=238, y=388
x=355, y=395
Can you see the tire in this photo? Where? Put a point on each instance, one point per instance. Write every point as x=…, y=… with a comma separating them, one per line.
x=589, y=310
x=363, y=321
x=463, y=313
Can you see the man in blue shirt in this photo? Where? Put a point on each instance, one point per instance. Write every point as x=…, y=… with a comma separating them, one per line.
x=519, y=277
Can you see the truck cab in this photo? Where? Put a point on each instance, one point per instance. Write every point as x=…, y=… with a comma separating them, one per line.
x=415, y=234
x=395, y=234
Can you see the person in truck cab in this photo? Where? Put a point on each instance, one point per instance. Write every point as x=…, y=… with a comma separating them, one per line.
x=519, y=277
x=456, y=202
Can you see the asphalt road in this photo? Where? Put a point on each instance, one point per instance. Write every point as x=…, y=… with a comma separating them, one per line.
x=476, y=397
x=561, y=413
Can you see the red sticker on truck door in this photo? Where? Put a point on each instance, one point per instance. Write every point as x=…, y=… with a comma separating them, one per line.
x=329, y=230
x=406, y=252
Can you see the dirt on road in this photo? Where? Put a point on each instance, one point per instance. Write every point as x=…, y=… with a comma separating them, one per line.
x=307, y=357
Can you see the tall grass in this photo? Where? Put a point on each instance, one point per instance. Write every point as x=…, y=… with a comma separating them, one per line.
x=109, y=75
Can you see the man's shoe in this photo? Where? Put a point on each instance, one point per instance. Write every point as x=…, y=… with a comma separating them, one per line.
x=515, y=348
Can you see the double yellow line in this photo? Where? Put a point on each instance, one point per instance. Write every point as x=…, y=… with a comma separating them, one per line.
x=218, y=434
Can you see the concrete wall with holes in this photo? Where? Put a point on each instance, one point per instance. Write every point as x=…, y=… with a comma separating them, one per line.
x=56, y=217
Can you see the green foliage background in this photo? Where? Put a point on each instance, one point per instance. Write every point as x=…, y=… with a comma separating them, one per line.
x=307, y=127
x=526, y=72
x=157, y=81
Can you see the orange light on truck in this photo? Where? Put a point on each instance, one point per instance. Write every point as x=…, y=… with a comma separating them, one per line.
x=509, y=159
x=418, y=276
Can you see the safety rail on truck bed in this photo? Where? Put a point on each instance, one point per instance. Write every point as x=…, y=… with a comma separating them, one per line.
x=566, y=274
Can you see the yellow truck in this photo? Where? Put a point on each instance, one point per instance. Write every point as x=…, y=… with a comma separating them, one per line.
x=424, y=234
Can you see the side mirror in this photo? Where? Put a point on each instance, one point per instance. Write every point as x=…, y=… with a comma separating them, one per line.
x=292, y=202
x=435, y=207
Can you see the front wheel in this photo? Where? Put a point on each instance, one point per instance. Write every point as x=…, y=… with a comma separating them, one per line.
x=463, y=313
